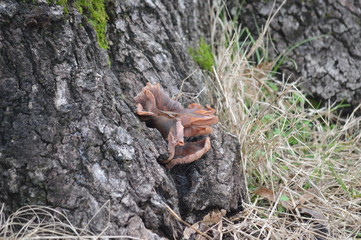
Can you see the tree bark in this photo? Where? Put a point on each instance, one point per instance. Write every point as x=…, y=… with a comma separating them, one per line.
x=328, y=68
x=69, y=134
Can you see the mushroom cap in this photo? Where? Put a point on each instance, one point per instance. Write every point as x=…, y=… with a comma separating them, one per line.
x=174, y=122
x=190, y=152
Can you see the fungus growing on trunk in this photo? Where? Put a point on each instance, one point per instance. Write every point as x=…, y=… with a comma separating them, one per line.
x=174, y=122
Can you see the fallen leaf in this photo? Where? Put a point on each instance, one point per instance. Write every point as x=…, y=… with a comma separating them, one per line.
x=305, y=197
x=214, y=217
x=189, y=231
x=284, y=198
x=286, y=204
x=265, y=193
x=267, y=66
x=315, y=214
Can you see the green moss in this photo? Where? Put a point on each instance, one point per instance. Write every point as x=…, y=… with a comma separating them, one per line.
x=203, y=55
x=94, y=11
x=63, y=3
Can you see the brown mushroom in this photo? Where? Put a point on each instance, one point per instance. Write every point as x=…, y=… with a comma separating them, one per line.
x=174, y=122
x=190, y=152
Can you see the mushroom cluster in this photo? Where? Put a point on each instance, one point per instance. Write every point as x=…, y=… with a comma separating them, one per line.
x=175, y=123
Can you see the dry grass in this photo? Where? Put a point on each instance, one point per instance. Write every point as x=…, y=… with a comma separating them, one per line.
x=306, y=161
x=41, y=223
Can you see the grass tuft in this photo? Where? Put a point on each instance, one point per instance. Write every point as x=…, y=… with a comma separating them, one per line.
x=203, y=55
x=288, y=147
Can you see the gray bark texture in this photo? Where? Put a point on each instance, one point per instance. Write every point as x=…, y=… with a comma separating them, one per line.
x=70, y=137
x=329, y=67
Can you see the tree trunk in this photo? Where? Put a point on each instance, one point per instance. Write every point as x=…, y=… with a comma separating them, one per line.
x=69, y=134
x=327, y=67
